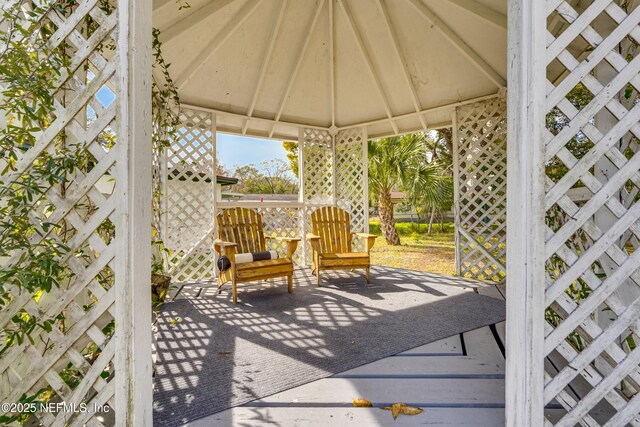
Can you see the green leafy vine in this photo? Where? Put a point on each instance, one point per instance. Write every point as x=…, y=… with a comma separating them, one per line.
x=38, y=164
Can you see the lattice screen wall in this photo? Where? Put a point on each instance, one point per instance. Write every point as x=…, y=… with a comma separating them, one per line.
x=351, y=176
x=593, y=309
x=334, y=172
x=317, y=167
x=189, y=198
x=480, y=155
x=88, y=209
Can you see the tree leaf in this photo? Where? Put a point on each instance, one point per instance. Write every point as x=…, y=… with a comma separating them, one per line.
x=400, y=408
x=362, y=403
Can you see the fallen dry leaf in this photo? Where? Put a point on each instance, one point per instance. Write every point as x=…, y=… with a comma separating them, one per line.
x=362, y=403
x=400, y=408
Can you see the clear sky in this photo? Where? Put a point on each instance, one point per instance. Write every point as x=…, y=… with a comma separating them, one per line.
x=242, y=150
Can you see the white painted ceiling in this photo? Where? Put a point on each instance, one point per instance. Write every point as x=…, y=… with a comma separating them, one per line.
x=394, y=65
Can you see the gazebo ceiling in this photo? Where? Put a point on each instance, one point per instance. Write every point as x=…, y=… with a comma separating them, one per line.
x=393, y=65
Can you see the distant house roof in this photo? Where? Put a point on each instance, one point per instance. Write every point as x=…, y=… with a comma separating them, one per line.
x=272, y=197
x=397, y=195
x=224, y=180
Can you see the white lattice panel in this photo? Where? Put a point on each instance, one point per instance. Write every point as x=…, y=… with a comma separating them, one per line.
x=189, y=198
x=351, y=179
x=592, y=261
x=87, y=213
x=481, y=169
x=317, y=161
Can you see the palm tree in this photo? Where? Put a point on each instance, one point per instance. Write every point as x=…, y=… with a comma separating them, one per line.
x=400, y=162
x=437, y=198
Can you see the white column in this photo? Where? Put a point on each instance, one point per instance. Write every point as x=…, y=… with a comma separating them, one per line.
x=214, y=187
x=133, y=393
x=303, y=214
x=456, y=188
x=365, y=165
x=525, y=214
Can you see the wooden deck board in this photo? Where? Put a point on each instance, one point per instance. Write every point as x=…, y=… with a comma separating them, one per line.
x=490, y=290
x=449, y=345
x=424, y=392
x=477, y=399
x=451, y=366
x=237, y=417
x=501, y=328
x=482, y=344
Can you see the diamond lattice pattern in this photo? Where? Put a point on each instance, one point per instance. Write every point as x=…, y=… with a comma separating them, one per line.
x=351, y=179
x=592, y=293
x=481, y=156
x=189, y=196
x=74, y=362
x=316, y=148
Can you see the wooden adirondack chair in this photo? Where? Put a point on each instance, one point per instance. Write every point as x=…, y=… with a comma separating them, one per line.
x=332, y=243
x=240, y=231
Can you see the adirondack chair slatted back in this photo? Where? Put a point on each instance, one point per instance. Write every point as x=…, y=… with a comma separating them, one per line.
x=334, y=228
x=243, y=227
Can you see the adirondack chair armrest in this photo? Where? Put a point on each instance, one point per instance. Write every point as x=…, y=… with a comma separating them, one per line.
x=314, y=241
x=284, y=239
x=228, y=248
x=371, y=239
x=292, y=244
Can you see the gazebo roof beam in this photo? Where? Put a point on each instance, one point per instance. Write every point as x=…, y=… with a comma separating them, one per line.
x=332, y=64
x=365, y=53
x=460, y=44
x=245, y=117
x=265, y=65
x=232, y=25
x=422, y=112
x=396, y=45
x=157, y=4
x=482, y=11
x=296, y=70
x=188, y=21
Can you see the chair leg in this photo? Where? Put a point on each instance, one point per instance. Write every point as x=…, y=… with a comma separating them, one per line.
x=318, y=276
x=234, y=290
x=290, y=284
x=367, y=275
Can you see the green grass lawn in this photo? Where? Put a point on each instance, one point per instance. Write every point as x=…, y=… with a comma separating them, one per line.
x=418, y=250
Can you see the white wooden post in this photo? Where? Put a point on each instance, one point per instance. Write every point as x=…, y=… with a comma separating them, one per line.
x=334, y=169
x=214, y=189
x=456, y=188
x=365, y=165
x=302, y=212
x=214, y=174
x=525, y=217
x=133, y=188
x=301, y=179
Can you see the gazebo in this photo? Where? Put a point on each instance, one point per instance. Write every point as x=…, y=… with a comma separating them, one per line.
x=324, y=77
x=332, y=74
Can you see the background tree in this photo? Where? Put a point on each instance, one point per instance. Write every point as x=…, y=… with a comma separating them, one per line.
x=440, y=145
x=221, y=169
x=272, y=177
x=400, y=163
x=291, y=148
